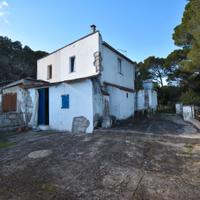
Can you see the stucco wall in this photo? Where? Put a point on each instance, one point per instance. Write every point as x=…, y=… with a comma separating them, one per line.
x=20, y=100
x=83, y=50
x=121, y=106
x=80, y=104
x=25, y=102
x=97, y=98
x=179, y=108
x=32, y=108
x=0, y=103
x=111, y=73
x=188, y=112
x=152, y=100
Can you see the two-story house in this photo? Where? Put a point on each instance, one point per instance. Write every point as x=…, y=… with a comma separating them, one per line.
x=89, y=79
x=78, y=88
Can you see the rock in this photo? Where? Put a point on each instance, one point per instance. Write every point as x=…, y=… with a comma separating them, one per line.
x=40, y=154
x=80, y=124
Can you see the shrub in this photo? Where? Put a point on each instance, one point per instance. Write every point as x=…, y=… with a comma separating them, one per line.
x=190, y=98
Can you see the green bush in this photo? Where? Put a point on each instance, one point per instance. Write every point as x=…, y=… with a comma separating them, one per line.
x=190, y=98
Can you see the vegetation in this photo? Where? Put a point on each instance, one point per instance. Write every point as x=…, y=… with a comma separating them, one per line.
x=190, y=97
x=181, y=68
x=16, y=61
x=5, y=144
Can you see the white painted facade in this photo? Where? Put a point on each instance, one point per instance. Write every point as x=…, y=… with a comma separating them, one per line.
x=83, y=50
x=122, y=103
x=92, y=59
x=151, y=101
x=0, y=102
x=179, y=108
x=188, y=112
x=26, y=104
x=80, y=104
x=33, y=94
x=111, y=72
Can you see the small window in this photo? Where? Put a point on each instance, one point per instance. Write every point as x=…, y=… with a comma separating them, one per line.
x=119, y=63
x=126, y=95
x=65, y=101
x=9, y=102
x=49, y=72
x=72, y=64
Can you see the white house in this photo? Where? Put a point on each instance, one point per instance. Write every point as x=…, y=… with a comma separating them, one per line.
x=80, y=86
x=89, y=80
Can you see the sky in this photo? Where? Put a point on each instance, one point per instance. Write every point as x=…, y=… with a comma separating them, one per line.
x=142, y=28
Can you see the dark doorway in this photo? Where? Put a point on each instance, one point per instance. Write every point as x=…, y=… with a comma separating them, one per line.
x=43, y=109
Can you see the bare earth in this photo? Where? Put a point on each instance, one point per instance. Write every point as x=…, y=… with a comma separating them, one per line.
x=151, y=159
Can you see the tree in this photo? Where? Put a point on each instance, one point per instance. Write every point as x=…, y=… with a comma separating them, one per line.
x=156, y=69
x=173, y=65
x=142, y=73
x=187, y=34
x=16, y=61
x=190, y=97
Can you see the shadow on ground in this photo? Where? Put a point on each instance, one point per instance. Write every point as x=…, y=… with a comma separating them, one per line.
x=113, y=165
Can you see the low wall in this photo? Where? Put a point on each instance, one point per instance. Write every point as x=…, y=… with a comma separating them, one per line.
x=188, y=112
x=179, y=108
x=11, y=119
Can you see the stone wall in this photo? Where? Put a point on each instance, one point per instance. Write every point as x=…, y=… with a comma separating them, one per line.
x=11, y=119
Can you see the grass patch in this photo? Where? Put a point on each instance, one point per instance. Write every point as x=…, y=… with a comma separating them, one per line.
x=5, y=144
x=47, y=187
x=188, y=148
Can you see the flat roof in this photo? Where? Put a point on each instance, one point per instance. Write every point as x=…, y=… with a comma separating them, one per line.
x=24, y=82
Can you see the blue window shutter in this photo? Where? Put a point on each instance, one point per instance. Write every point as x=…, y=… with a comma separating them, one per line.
x=65, y=101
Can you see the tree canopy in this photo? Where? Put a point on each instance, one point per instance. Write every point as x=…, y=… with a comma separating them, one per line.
x=187, y=35
x=16, y=61
x=182, y=65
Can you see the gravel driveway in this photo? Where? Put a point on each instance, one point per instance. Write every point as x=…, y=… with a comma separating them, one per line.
x=151, y=159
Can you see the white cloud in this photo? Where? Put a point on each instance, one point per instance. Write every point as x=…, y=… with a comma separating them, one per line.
x=3, y=11
x=3, y=4
x=2, y=14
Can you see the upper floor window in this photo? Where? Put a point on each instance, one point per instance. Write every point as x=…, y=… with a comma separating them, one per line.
x=49, y=72
x=72, y=64
x=119, y=65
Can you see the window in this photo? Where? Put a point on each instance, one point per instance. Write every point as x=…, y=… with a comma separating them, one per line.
x=119, y=63
x=72, y=64
x=65, y=101
x=9, y=102
x=126, y=95
x=49, y=72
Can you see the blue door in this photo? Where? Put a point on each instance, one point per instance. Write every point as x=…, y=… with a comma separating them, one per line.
x=43, y=108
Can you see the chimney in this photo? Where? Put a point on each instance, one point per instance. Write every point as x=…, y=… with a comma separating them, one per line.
x=93, y=27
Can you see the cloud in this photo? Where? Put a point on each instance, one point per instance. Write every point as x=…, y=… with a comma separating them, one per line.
x=2, y=14
x=3, y=4
x=3, y=11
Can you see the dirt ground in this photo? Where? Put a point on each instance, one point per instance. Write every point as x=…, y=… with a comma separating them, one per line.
x=149, y=159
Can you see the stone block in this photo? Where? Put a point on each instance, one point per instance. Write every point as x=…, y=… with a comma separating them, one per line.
x=80, y=124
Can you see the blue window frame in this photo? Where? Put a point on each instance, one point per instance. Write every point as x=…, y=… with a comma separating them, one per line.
x=65, y=101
